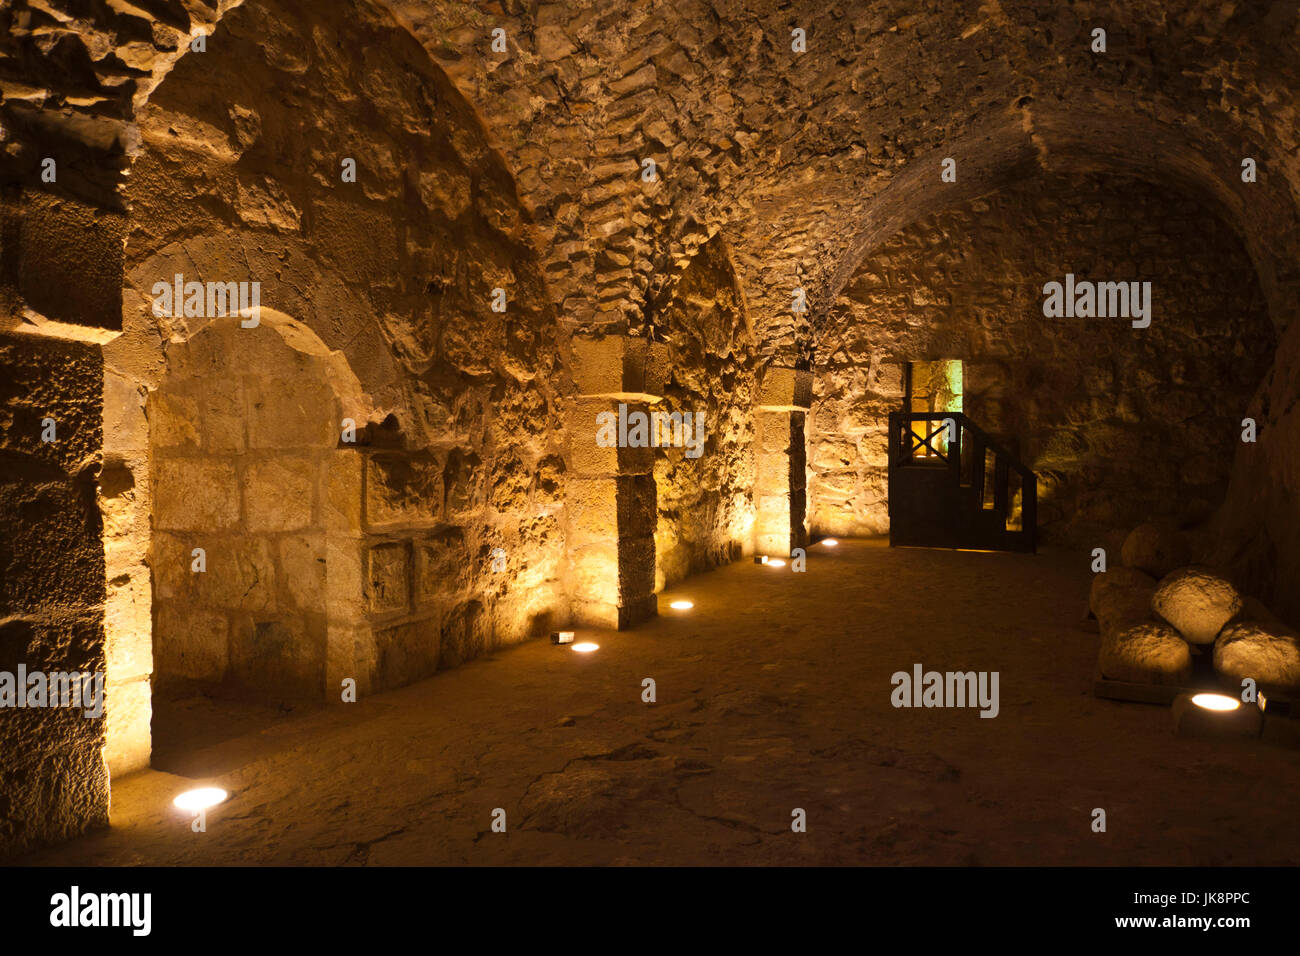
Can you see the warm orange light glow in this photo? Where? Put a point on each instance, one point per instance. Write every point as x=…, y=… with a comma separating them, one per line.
x=1216, y=702
x=200, y=799
x=830, y=542
x=681, y=605
x=586, y=647
x=776, y=563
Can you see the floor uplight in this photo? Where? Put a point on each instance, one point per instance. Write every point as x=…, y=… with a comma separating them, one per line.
x=586, y=647
x=200, y=799
x=681, y=605
x=1216, y=702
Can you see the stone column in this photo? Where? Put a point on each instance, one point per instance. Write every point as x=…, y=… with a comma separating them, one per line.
x=60, y=303
x=611, y=502
x=346, y=627
x=780, y=494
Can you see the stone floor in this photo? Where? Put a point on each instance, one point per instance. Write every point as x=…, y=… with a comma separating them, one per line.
x=773, y=694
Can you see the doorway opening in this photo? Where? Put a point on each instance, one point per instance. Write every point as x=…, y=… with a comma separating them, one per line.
x=931, y=388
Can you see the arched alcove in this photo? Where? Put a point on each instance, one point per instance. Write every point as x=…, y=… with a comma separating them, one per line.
x=244, y=432
x=1120, y=423
x=704, y=479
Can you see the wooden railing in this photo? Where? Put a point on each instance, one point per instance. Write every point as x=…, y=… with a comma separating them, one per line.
x=951, y=485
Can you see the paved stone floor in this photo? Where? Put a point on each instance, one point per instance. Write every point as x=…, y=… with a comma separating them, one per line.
x=773, y=694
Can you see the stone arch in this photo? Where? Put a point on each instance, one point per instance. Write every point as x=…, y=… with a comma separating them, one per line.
x=238, y=178
x=965, y=283
x=1008, y=149
x=705, y=493
x=245, y=435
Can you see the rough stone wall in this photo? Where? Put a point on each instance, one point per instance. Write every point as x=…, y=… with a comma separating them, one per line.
x=1256, y=534
x=705, y=504
x=806, y=160
x=53, y=778
x=436, y=567
x=1120, y=424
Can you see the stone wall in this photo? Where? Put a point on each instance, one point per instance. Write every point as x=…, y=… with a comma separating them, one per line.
x=1119, y=423
x=53, y=778
x=437, y=570
x=1256, y=534
x=705, y=503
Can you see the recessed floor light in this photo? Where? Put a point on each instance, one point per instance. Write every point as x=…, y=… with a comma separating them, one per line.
x=681, y=605
x=200, y=799
x=776, y=563
x=1216, y=702
x=829, y=542
x=586, y=647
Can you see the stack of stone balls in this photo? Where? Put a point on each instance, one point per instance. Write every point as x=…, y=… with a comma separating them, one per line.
x=1157, y=611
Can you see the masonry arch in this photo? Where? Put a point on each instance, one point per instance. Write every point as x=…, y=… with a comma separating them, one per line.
x=244, y=175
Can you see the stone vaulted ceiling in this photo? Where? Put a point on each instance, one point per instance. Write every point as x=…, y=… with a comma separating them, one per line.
x=802, y=161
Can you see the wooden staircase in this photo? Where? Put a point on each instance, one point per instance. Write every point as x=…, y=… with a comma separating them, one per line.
x=952, y=486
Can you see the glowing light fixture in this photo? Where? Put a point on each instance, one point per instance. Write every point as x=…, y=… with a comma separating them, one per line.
x=586, y=647
x=200, y=799
x=562, y=637
x=1216, y=702
x=776, y=563
x=1207, y=714
x=829, y=542
x=681, y=605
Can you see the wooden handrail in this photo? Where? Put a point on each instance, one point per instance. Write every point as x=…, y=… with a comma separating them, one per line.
x=962, y=419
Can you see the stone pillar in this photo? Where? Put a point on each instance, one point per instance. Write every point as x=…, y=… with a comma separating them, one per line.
x=346, y=628
x=611, y=502
x=60, y=302
x=780, y=495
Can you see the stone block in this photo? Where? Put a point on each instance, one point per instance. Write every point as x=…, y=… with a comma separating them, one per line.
x=342, y=502
x=193, y=494
x=283, y=658
x=442, y=567
x=388, y=577
x=173, y=420
x=786, y=389
x=636, y=568
x=614, y=616
x=302, y=570
x=280, y=417
x=128, y=743
x=70, y=260
x=593, y=436
x=619, y=366
x=345, y=596
x=594, y=573
x=466, y=634
x=128, y=627
x=278, y=493
x=604, y=509
x=403, y=489
x=341, y=642
x=221, y=416
x=405, y=652
x=240, y=575
x=191, y=643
